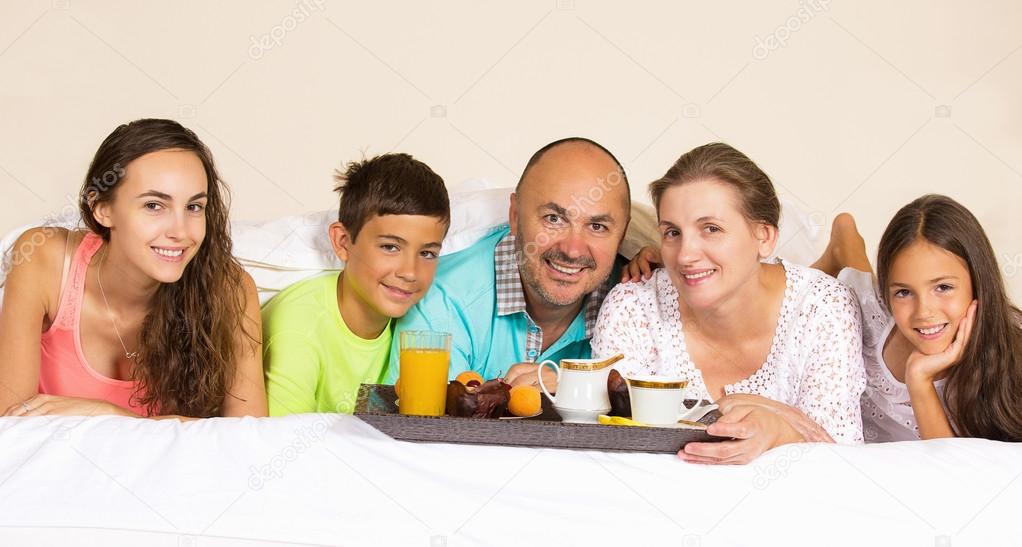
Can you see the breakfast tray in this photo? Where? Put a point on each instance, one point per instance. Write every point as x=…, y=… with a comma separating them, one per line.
x=376, y=406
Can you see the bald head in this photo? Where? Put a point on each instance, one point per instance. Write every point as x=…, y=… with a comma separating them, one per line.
x=568, y=215
x=577, y=151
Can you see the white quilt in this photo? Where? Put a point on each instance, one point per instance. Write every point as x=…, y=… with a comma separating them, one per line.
x=334, y=480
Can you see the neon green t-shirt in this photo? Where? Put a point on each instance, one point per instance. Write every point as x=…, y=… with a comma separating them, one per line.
x=313, y=362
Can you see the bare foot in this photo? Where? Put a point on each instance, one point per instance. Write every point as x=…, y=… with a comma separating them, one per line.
x=845, y=249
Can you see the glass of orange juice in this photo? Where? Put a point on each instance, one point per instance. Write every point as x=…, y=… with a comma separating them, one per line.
x=425, y=358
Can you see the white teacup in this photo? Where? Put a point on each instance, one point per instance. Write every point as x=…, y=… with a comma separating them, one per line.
x=581, y=389
x=657, y=400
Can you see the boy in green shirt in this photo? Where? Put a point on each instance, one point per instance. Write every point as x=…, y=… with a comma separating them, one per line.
x=325, y=336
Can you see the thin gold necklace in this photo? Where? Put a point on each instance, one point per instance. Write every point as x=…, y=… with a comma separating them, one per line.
x=131, y=355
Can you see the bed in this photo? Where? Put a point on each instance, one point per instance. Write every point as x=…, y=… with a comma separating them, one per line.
x=334, y=480
x=320, y=479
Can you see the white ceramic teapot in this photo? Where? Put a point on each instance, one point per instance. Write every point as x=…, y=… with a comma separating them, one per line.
x=581, y=388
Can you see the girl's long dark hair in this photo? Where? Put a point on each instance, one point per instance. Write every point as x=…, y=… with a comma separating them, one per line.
x=189, y=338
x=983, y=392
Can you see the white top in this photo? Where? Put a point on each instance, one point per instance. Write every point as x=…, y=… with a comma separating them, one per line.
x=886, y=406
x=815, y=360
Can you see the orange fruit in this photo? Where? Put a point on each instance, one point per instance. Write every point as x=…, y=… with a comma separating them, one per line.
x=525, y=401
x=468, y=376
x=397, y=387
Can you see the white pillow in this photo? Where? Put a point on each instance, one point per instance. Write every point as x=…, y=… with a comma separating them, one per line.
x=799, y=234
x=283, y=251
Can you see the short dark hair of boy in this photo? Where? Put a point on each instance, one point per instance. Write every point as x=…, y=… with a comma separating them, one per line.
x=391, y=184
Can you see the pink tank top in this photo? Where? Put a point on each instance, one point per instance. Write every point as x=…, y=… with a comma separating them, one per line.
x=62, y=367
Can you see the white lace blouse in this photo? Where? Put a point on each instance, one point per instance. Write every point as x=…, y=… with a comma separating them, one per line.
x=886, y=407
x=815, y=360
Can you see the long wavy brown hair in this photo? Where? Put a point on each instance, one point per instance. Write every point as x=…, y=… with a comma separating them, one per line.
x=189, y=338
x=983, y=392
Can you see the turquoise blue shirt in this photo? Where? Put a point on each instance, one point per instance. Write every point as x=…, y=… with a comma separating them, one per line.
x=486, y=336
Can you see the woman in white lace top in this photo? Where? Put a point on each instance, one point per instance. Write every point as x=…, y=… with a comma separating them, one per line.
x=755, y=337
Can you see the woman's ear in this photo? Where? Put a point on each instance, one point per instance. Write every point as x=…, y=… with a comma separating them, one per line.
x=340, y=239
x=766, y=234
x=101, y=211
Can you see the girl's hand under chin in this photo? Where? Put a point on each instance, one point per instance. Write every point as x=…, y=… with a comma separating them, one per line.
x=53, y=405
x=922, y=368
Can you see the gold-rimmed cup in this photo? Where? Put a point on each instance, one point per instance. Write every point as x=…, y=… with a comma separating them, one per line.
x=658, y=400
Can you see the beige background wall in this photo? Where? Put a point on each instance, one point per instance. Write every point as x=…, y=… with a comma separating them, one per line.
x=856, y=106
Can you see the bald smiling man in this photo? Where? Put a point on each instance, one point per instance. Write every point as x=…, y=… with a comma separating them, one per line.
x=532, y=290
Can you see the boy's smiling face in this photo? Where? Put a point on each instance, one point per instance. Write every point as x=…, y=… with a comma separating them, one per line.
x=389, y=267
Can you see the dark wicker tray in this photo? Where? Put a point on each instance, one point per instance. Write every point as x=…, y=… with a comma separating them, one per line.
x=376, y=407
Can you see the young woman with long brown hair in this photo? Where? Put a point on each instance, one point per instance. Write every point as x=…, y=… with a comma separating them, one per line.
x=941, y=340
x=144, y=313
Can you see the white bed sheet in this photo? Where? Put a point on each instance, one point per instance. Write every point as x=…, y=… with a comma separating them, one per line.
x=334, y=480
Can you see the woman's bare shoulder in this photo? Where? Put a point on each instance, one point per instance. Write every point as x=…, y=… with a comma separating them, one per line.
x=37, y=259
x=42, y=248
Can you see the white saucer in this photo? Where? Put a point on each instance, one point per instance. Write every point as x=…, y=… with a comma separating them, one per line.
x=520, y=417
x=580, y=416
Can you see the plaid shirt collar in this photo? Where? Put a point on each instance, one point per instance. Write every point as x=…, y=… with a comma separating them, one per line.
x=511, y=295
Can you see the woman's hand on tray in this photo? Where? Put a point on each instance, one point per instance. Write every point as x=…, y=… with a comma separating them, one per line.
x=755, y=429
x=811, y=431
